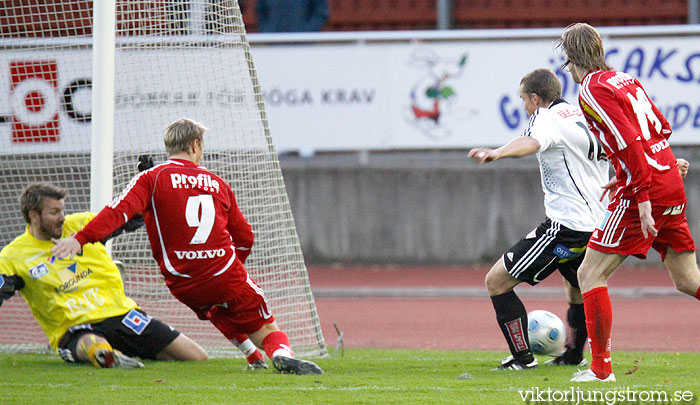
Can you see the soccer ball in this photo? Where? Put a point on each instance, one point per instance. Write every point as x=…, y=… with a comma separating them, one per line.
x=546, y=331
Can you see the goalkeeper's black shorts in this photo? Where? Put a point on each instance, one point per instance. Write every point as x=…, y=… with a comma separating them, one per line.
x=134, y=334
x=550, y=247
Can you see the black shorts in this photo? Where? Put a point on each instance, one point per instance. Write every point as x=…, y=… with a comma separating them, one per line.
x=550, y=247
x=134, y=334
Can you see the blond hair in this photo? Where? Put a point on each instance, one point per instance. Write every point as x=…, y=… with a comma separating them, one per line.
x=180, y=134
x=583, y=47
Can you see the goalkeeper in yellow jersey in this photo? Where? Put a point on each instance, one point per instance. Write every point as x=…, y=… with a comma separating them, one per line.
x=80, y=303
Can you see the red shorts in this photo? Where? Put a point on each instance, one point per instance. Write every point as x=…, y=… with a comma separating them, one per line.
x=232, y=301
x=621, y=231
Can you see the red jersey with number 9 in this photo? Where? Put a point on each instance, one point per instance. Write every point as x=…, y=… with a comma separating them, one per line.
x=635, y=136
x=194, y=224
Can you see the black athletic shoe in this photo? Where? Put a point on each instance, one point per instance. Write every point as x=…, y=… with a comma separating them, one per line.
x=509, y=363
x=568, y=358
x=289, y=365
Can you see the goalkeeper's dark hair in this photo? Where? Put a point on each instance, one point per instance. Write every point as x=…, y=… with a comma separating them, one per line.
x=181, y=133
x=33, y=196
x=542, y=82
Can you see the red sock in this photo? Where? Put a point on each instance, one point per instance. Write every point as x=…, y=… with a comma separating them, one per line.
x=277, y=341
x=697, y=293
x=255, y=357
x=596, y=304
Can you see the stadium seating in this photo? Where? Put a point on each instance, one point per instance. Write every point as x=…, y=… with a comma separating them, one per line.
x=374, y=15
x=551, y=13
x=391, y=15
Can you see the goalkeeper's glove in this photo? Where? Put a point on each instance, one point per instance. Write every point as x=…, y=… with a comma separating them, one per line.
x=131, y=225
x=8, y=286
x=145, y=162
x=136, y=222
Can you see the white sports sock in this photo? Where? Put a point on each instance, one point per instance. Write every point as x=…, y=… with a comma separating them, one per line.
x=247, y=347
x=282, y=352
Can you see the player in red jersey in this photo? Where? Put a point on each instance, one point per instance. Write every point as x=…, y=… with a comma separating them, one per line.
x=200, y=240
x=647, y=198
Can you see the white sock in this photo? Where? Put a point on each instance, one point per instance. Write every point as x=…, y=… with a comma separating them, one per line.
x=247, y=347
x=282, y=352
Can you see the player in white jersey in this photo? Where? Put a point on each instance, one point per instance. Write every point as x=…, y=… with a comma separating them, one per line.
x=573, y=169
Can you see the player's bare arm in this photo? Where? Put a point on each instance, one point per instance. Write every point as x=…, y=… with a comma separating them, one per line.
x=609, y=188
x=683, y=166
x=518, y=147
x=481, y=155
x=646, y=219
x=66, y=247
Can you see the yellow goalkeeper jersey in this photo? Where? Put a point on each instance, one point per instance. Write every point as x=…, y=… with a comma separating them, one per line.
x=68, y=292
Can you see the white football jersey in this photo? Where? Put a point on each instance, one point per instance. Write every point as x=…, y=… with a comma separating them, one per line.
x=572, y=165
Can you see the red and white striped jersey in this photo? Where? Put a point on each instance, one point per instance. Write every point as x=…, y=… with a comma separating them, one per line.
x=194, y=224
x=635, y=136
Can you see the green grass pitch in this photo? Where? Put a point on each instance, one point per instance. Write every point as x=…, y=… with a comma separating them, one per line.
x=360, y=376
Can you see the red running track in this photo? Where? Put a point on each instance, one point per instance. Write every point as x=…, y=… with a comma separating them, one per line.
x=667, y=322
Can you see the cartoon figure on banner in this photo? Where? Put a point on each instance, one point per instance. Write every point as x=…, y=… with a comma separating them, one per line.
x=433, y=96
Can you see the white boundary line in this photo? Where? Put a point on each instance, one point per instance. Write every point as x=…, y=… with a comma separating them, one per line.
x=479, y=292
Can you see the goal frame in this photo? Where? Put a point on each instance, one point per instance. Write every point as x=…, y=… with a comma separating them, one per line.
x=103, y=162
x=102, y=131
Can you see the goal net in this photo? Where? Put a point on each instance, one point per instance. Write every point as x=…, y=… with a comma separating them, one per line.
x=174, y=58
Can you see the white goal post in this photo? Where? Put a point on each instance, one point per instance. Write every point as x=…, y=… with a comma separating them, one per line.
x=172, y=59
